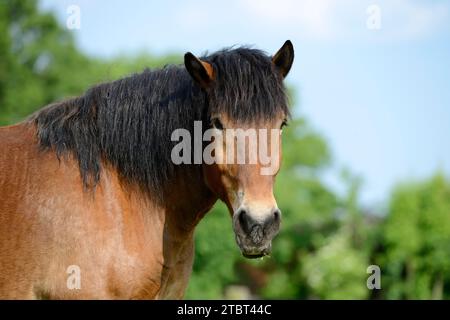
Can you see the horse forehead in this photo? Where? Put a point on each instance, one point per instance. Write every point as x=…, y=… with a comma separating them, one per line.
x=254, y=123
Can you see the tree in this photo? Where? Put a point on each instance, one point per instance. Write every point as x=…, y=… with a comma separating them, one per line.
x=40, y=63
x=417, y=240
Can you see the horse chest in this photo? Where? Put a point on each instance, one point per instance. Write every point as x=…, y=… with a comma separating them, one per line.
x=117, y=275
x=155, y=278
x=153, y=270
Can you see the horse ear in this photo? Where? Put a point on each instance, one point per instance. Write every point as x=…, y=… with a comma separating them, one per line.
x=284, y=58
x=200, y=71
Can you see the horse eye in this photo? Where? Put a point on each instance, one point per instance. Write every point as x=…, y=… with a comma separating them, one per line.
x=217, y=124
x=283, y=124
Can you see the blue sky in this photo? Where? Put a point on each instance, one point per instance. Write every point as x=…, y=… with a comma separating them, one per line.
x=381, y=97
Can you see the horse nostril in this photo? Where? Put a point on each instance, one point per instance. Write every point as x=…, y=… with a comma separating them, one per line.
x=273, y=220
x=277, y=215
x=266, y=222
x=243, y=219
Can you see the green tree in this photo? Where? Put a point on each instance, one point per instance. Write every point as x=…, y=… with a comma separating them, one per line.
x=417, y=241
x=37, y=55
x=40, y=63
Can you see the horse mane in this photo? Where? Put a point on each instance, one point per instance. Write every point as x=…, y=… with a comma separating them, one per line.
x=128, y=123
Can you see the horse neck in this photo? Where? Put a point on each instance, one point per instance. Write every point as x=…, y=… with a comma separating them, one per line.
x=187, y=199
x=183, y=203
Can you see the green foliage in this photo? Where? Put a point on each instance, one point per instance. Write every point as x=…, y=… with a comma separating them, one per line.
x=336, y=270
x=216, y=252
x=40, y=64
x=417, y=240
x=327, y=241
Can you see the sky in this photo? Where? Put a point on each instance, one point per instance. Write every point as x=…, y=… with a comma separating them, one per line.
x=373, y=77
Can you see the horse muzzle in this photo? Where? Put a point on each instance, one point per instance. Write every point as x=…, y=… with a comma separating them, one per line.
x=254, y=233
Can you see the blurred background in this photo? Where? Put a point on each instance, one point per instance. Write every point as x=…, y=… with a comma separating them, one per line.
x=366, y=157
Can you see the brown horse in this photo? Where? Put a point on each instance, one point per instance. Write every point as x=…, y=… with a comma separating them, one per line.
x=92, y=205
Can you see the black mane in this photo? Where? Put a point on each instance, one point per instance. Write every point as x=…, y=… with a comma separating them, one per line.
x=128, y=123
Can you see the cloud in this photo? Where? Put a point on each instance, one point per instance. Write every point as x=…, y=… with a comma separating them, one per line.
x=346, y=19
x=423, y=19
x=311, y=17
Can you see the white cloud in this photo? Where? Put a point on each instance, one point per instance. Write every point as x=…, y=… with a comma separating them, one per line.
x=311, y=17
x=423, y=19
x=346, y=19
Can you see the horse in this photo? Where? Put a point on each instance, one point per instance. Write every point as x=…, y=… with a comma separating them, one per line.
x=92, y=205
